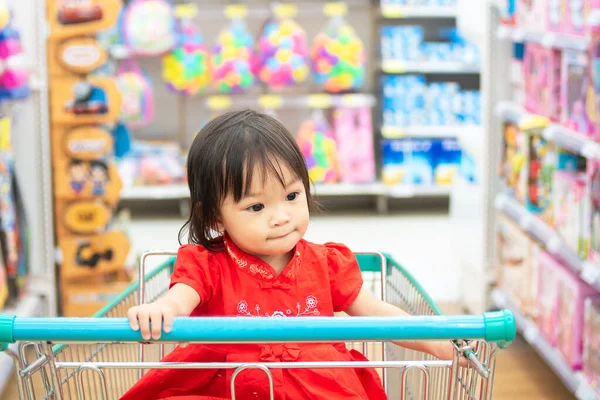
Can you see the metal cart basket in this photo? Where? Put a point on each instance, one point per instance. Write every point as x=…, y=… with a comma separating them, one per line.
x=101, y=357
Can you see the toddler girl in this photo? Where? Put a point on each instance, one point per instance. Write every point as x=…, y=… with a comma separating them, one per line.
x=250, y=209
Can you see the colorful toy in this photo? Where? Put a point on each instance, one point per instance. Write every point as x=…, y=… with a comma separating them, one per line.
x=186, y=70
x=148, y=27
x=233, y=59
x=338, y=57
x=578, y=101
x=88, y=99
x=514, y=161
x=568, y=194
x=317, y=143
x=14, y=78
x=283, y=53
x=150, y=163
x=541, y=73
x=137, y=108
x=354, y=137
x=550, y=272
x=591, y=345
x=78, y=11
x=571, y=17
x=542, y=162
x=592, y=215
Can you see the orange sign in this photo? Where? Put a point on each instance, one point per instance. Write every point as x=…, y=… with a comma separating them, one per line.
x=69, y=18
x=87, y=217
x=80, y=55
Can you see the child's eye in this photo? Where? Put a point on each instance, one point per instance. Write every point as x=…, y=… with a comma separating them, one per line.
x=256, y=207
x=292, y=196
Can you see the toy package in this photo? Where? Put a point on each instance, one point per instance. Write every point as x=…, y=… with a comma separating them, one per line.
x=150, y=163
x=186, y=69
x=354, y=136
x=148, y=27
x=541, y=165
x=283, y=53
x=568, y=200
x=591, y=344
x=592, y=214
x=14, y=77
x=532, y=14
x=338, y=57
x=571, y=17
x=234, y=60
x=516, y=266
x=318, y=145
x=550, y=272
x=136, y=90
x=541, y=75
x=577, y=94
x=446, y=159
x=514, y=162
x=572, y=292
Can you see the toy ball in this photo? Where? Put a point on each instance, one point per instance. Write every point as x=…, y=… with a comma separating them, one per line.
x=283, y=53
x=186, y=70
x=338, y=58
x=233, y=59
x=318, y=147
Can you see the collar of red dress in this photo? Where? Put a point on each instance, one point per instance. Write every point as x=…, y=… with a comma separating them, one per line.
x=256, y=267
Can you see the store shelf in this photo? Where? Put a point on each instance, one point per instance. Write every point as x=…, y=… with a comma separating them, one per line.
x=566, y=138
x=181, y=191
x=399, y=12
x=428, y=67
x=28, y=306
x=574, y=381
x=547, y=39
x=272, y=101
x=549, y=238
x=394, y=132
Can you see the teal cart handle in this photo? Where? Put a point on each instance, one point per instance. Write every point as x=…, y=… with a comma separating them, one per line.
x=489, y=327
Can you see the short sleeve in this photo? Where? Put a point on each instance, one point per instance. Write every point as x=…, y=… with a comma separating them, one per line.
x=192, y=268
x=345, y=277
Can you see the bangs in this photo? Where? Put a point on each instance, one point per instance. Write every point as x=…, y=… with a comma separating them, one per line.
x=251, y=157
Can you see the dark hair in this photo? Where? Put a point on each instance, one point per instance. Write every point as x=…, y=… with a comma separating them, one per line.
x=221, y=162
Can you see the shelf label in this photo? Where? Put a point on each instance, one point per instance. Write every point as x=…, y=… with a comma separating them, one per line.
x=236, y=11
x=219, y=102
x=393, y=132
x=270, y=102
x=394, y=67
x=393, y=12
x=590, y=150
x=349, y=100
x=531, y=332
x=319, y=101
x=335, y=9
x=590, y=273
x=285, y=10
x=186, y=10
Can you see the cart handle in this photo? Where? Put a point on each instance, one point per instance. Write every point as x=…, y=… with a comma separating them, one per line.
x=496, y=326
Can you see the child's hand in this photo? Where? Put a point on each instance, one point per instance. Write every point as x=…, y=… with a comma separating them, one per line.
x=445, y=351
x=151, y=319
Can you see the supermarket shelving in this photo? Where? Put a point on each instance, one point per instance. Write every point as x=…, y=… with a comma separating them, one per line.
x=393, y=132
x=428, y=67
x=549, y=238
x=547, y=39
x=400, y=12
x=573, y=380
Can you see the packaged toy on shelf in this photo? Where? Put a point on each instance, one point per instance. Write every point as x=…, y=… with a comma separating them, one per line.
x=541, y=74
x=514, y=161
x=233, y=59
x=338, y=57
x=578, y=103
x=572, y=293
x=571, y=17
x=517, y=264
x=568, y=200
x=550, y=272
x=317, y=143
x=149, y=163
x=186, y=69
x=592, y=215
x=591, y=344
x=354, y=136
x=542, y=162
x=532, y=14
x=148, y=27
x=283, y=53
x=14, y=76
x=137, y=109
x=408, y=162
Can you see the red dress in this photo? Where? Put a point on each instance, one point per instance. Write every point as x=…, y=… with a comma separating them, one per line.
x=319, y=280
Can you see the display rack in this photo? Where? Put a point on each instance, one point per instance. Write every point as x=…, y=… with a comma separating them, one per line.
x=574, y=381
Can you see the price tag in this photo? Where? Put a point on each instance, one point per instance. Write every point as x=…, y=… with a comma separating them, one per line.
x=285, y=10
x=335, y=9
x=349, y=100
x=553, y=244
x=236, y=11
x=393, y=132
x=403, y=191
x=393, y=12
x=219, y=102
x=319, y=101
x=5, y=134
x=590, y=273
x=394, y=67
x=534, y=122
x=186, y=10
x=270, y=102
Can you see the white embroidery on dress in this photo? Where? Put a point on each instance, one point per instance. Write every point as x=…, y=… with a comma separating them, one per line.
x=310, y=308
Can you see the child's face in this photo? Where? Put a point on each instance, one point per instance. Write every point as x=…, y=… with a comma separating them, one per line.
x=271, y=219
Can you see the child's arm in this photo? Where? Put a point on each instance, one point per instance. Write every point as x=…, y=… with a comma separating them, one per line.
x=179, y=301
x=367, y=305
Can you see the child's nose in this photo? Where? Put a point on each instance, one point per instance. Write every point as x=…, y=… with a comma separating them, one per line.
x=280, y=218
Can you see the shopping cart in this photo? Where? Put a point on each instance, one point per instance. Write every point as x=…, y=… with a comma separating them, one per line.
x=101, y=357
